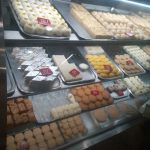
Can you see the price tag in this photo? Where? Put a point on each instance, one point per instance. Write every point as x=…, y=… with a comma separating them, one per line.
x=46, y=71
x=74, y=72
x=129, y=62
x=95, y=92
x=43, y=21
x=120, y=93
x=130, y=34
x=108, y=67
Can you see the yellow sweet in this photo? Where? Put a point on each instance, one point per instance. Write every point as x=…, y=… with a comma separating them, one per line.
x=103, y=65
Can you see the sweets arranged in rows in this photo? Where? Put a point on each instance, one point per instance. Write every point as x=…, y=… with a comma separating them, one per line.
x=105, y=24
x=103, y=66
x=38, y=70
x=19, y=111
x=47, y=136
x=42, y=18
x=91, y=25
x=105, y=116
x=119, y=26
x=128, y=65
x=146, y=49
x=136, y=85
x=139, y=55
x=91, y=96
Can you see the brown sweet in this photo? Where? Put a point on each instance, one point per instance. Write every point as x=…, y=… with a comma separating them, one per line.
x=75, y=125
x=11, y=147
x=53, y=126
x=19, y=100
x=19, y=137
x=21, y=107
x=51, y=143
x=17, y=119
x=39, y=138
x=36, y=131
x=10, y=122
x=28, y=134
x=10, y=140
x=24, y=118
x=59, y=140
x=45, y=128
x=8, y=110
x=42, y=145
x=28, y=104
x=112, y=111
x=48, y=135
x=56, y=133
x=31, y=116
x=31, y=141
x=14, y=109
x=33, y=147
x=100, y=115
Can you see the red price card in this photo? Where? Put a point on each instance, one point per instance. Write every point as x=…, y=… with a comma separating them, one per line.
x=43, y=21
x=74, y=72
x=46, y=71
x=108, y=67
x=129, y=62
x=95, y=92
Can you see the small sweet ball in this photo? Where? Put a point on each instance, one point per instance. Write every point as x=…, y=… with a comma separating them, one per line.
x=83, y=66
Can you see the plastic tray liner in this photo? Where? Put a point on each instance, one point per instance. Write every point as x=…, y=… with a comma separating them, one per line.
x=20, y=80
x=108, y=123
x=43, y=103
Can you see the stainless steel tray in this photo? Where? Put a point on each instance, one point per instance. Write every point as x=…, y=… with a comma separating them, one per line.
x=87, y=75
x=32, y=35
x=148, y=69
x=133, y=74
x=112, y=78
x=126, y=93
x=20, y=81
x=64, y=8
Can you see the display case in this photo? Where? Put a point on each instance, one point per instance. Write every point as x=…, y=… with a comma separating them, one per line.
x=77, y=71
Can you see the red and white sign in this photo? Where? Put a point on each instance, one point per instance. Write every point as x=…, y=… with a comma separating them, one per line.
x=74, y=72
x=108, y=67
x=43, y=21
x=46, y=71
x=95, y=92
x=129, y=62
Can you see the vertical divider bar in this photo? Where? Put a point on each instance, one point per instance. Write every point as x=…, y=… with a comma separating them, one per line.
x=3, y=97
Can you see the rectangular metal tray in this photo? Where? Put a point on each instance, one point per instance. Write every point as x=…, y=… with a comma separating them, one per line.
x=20, y=81
x=77, y=58
x=32, y=35
x=112, y=78
x=64, y=9
x=106, y=84
x=10, y=80
x=135, y=60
